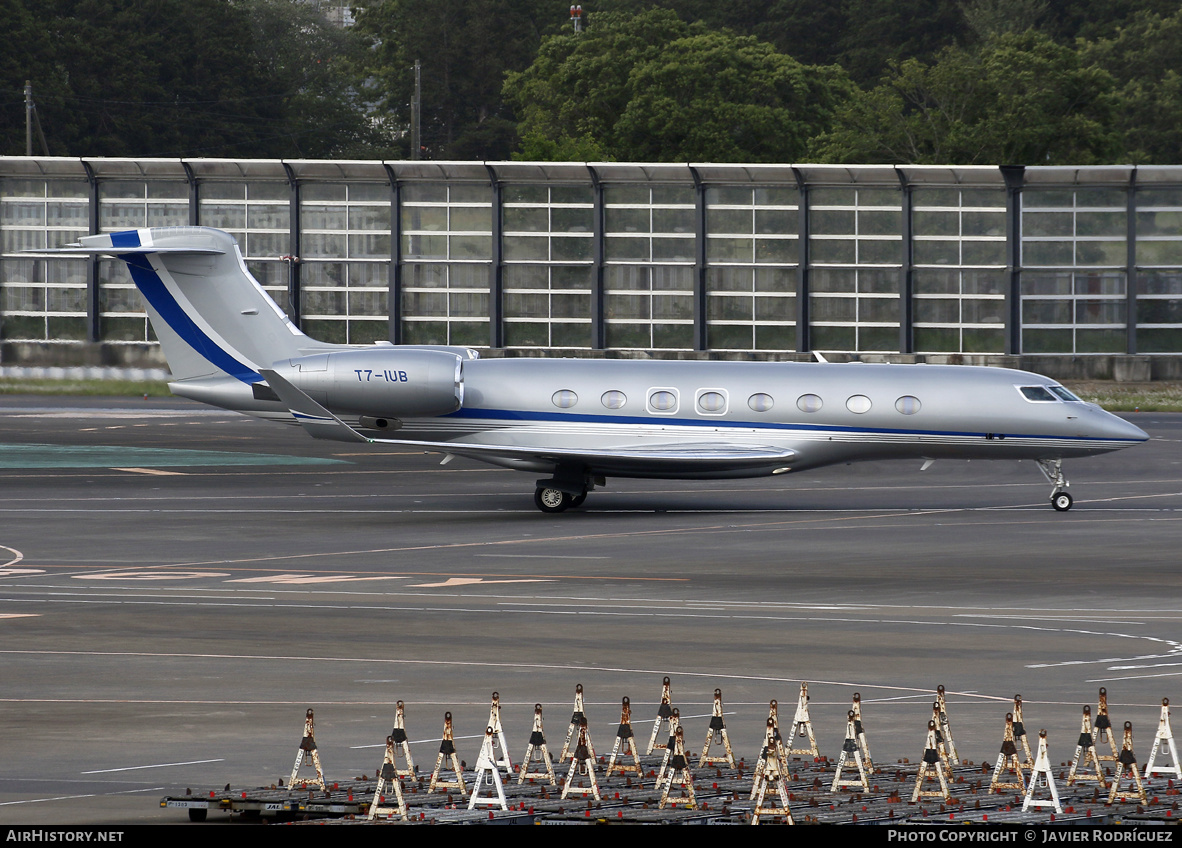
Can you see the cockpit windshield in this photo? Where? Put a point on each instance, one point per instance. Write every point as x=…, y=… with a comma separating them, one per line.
x=1036, y=393
x=1047, y=394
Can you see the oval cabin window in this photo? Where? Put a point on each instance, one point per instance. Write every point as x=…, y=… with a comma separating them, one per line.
x=564, y=398
x=613, y=399
x=711, y=402
x=760, y=402
x=908, y=405
x=858, y=404
x=662, y=401
x=809, y=403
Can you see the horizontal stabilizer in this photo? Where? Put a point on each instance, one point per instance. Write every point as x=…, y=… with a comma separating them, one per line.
x=80, y=250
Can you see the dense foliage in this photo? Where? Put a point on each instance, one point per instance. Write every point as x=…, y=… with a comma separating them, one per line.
x=217, y=78
x=949, y=81
x=650, y=87
x=1018, y=98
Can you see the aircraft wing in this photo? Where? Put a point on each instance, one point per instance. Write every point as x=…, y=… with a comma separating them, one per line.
x=700, y=456
x=318, y=421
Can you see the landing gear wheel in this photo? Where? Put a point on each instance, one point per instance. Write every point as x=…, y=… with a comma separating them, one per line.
x=1061, y=501
x=552, y=500
x=197, y=815
x=577, y=500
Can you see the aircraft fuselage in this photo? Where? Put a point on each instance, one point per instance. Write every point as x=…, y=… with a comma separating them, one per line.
x=825, y=413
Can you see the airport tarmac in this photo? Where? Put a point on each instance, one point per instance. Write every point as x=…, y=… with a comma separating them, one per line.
x=178, y=585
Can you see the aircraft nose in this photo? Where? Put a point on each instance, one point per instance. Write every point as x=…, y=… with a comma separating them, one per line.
x=1118, y=428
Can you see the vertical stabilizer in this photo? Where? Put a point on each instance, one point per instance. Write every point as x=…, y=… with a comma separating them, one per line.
x=211, y=316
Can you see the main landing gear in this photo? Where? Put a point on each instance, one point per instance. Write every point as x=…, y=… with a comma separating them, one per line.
x=556, y=500
x=1052, y=469
x=564, y=490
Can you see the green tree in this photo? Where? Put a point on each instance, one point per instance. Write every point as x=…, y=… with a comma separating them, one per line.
x=1146, y=59
x=578, y=85
x=180, y=78
x=26, y=56
x=1019, y=99
x=1096, y=19
x=876, y=33
x=824, y=23
x=720, y=98
x=465, y=47
x=309, y=67
x=652, y=87
x=860, y=35
x=989, y=18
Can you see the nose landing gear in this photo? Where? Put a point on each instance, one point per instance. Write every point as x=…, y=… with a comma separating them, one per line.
x=1052, y=469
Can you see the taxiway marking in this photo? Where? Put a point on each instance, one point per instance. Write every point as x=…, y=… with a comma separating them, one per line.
x=76, y=797
x=151, y=575
x=159, y=472
x=154, y=766
x=469, y=581
x=922, y=692
x=306, y=579
x=539, y=556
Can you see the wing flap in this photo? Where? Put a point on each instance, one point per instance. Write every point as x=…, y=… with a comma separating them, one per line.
x=703, y=457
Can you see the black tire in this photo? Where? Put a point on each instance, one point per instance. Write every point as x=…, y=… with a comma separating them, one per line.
x=197, y=815
x=577, y=500
x=1061, y=501
x=551, y=500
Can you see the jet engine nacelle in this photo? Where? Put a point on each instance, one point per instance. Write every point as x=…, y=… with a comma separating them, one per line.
x=384, y=382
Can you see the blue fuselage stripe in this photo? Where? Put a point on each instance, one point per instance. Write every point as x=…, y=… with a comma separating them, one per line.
x=632, y=420
x=156, y=293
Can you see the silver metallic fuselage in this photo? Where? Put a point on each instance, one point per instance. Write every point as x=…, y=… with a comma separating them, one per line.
x=962, y=412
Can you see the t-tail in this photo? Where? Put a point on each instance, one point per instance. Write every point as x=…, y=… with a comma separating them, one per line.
x=220, y=331
x=216, y=325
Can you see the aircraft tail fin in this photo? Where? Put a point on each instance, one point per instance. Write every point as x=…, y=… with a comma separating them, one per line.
x=211, y=316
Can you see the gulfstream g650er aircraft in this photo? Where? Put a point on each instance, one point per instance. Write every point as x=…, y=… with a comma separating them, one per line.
x=578, y=422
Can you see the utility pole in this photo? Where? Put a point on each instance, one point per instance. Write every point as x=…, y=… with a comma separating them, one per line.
x=576, y=17
x=416, y=110
x=32, y=117
x=28, y=117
